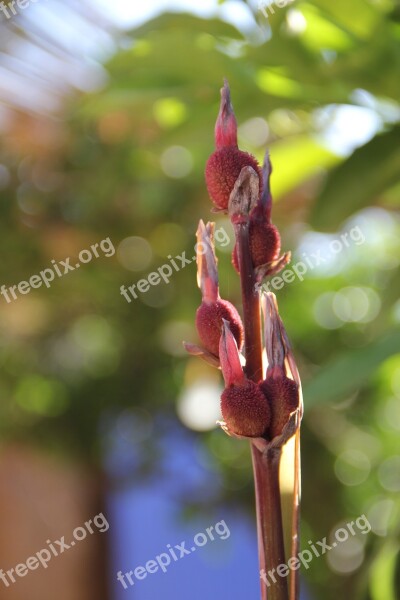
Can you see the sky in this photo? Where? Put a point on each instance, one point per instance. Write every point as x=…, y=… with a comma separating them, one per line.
x=347, y=126
x=126, y=13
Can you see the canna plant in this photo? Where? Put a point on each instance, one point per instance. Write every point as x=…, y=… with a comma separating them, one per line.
x=260, y=403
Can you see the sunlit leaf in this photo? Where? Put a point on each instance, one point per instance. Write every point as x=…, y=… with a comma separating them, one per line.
x=360, y=180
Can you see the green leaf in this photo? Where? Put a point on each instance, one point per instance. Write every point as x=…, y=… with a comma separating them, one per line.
x=349, y=372
x=360, y=180
x=382, y=573
x=295, y=160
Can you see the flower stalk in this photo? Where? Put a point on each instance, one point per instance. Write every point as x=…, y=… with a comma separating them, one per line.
x=264, y=407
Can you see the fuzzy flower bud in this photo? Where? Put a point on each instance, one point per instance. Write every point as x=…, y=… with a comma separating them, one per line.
x=243, y=405
x=212, y=311
x=282, y=394
x=281, y=391
x=264, y=238
x=224, y=165
x=265, y=244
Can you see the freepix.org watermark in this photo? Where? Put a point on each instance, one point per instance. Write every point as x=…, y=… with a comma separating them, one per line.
x=63, y=267
x=266, y=6
x=317, y=549
x=299, y=269
x=174, y=264
x=163, y=561
x=54, y=549
x=13, y=8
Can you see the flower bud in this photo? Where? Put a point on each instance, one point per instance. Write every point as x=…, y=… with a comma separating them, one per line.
x=244, y=407
x=265, y=244
x=212, y=311
x=209, y=320
x=282, y=395
x=225, y=164
x=264, y=238
x=245, y=410
x=282, y=392
x=222, y=170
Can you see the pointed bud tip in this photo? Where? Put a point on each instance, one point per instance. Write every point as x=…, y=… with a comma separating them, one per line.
x=226, y=126
x=266, y=197
x=267, y=165
x=229, y=356
x=207, y=269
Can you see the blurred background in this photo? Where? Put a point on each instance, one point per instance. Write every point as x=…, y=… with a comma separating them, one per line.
x=107, y=113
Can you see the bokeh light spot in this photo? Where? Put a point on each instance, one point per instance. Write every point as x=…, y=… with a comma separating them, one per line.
x=199, y=405
x=352, y=467
x=159, y=295
x=347, y=556
x=168, y=238
x=323, y=311
x=254, y=132
x=392, y=413
x=172, y=334
x=97, y=343
x=169, y=112
x=389, y=474
x=296, y=21
x=379, y=516
x=45, y=397
x=176, y=162
x=356, y=304
x=134, y=253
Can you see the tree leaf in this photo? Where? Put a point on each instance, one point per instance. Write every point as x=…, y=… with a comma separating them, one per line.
x=360, y=180
x=350, y=371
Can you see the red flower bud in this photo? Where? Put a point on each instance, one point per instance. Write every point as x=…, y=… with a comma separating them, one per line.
x=245, y=410
x=282, y=395
x=209, y=322
x=224, y=165
x=212, y=311
x=222, y=170
x=265, y=243
x=282, y=392
x=244, y=407
x=264, y=237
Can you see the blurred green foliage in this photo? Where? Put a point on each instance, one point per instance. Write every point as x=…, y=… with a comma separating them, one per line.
x=129, y=163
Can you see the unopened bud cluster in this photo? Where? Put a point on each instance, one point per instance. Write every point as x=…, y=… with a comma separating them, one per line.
x=240, y=187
